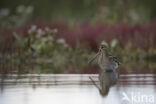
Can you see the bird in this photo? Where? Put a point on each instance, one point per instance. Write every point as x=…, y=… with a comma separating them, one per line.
x=105, y=60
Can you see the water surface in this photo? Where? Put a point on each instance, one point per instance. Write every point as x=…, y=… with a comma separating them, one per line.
x=106, y=88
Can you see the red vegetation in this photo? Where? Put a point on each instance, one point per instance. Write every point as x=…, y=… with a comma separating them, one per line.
x=142, y=36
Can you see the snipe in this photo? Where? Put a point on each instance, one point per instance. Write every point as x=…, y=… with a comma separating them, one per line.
x=106, y=61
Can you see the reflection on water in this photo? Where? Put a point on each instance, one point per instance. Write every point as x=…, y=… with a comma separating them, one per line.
x=105, y=88
x=106, y=80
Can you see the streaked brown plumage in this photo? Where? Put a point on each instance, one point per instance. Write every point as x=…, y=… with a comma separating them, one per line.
x=105, y=60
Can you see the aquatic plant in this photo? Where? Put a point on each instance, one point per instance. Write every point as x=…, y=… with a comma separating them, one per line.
x=71, y=46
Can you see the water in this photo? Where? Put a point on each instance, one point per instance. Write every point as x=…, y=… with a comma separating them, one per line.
x=104, y=88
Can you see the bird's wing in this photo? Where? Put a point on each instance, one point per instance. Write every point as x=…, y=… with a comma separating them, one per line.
x=114, y=58
x=90, y=61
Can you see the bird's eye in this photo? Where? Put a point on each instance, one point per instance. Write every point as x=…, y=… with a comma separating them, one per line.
x=102, y=47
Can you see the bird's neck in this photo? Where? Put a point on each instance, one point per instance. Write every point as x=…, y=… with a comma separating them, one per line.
x=105, y=52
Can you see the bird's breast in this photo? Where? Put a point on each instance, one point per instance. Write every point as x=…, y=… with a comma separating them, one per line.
x=103, y=60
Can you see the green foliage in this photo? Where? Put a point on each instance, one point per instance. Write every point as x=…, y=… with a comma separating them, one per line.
x=113, y=43
x=22, y=42
x=55, y=57
x=97, y=11
x=20, y=16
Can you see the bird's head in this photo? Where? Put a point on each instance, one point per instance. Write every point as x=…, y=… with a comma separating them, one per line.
x=103, y=46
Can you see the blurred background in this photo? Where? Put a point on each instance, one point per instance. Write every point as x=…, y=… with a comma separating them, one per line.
x=56, y=36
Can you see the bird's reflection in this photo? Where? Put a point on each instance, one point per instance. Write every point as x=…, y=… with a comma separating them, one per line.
x=107, y=80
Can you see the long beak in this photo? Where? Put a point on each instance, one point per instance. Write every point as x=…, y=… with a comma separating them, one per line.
x=90, y=61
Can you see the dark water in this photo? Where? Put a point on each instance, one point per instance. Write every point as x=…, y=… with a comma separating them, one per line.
x=103, y=88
